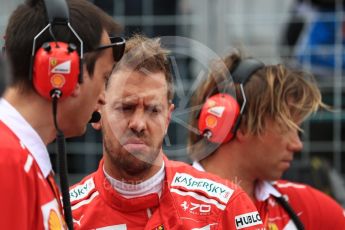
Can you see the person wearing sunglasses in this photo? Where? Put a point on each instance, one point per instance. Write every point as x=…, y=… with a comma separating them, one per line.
x=254, y=134
x=59, y=57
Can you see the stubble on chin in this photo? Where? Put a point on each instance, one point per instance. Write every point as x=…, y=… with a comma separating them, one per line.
x=129, y=165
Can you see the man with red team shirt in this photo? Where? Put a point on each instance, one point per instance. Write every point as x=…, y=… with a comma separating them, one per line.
x=136, y=186
x=261, y=148
x=29, y=196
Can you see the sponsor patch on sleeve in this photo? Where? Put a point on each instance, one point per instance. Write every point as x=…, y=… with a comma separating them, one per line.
x=81, y=191
x=247, y=220
x=211, y=188
x=52, y=218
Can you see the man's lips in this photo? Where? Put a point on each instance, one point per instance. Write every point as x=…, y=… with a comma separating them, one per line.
x=134, y=141
x=135, y=145
x=287, y=163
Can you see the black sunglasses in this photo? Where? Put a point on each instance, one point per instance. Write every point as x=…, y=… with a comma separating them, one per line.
x=118, y=45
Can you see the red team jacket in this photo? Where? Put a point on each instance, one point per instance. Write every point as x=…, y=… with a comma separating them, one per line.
x=316, y=210
x=27, y=198
x=190, y=200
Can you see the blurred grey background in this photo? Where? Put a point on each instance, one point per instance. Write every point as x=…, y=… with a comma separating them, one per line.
x=275, y=31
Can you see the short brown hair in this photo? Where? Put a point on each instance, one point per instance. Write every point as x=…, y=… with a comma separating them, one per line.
x=285, y=95
x=142, y=53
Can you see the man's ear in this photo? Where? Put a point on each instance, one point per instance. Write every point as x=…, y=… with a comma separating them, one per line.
x=77, y=88
x=241, y=134
x=171, y=109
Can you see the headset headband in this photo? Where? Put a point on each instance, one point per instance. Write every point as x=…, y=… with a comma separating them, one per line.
x=57, y=12
x=244, y=69
x=241, y=75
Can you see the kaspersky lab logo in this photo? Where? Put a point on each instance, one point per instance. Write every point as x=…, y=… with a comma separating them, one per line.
x=210, y=187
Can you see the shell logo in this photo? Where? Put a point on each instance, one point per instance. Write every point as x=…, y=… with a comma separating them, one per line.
x=57, y=80
x=54, y=221
x=211, y=121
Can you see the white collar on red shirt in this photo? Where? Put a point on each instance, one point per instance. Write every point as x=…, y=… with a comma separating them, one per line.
x=263, y=189
x=151, y=186
x=27, y=135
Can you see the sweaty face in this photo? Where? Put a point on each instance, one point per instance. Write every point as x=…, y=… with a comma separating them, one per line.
x=135, y=120
x=90, y=94
x=271, y=154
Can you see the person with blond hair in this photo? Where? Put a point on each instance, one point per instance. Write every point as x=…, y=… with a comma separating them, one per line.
x=252, y=139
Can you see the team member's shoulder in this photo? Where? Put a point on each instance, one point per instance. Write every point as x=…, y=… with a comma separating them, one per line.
x=283, y=184
x=292, y=190
x=312, y=205
x=13, y=152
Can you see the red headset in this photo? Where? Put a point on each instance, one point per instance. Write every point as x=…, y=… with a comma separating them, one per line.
x=56, y=67
x=221, y=114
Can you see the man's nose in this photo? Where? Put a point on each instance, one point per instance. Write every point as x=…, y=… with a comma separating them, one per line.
x=137, y=122
x=295, y=143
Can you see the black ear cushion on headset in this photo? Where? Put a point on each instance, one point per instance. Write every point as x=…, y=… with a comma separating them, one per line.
x=56, y=67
